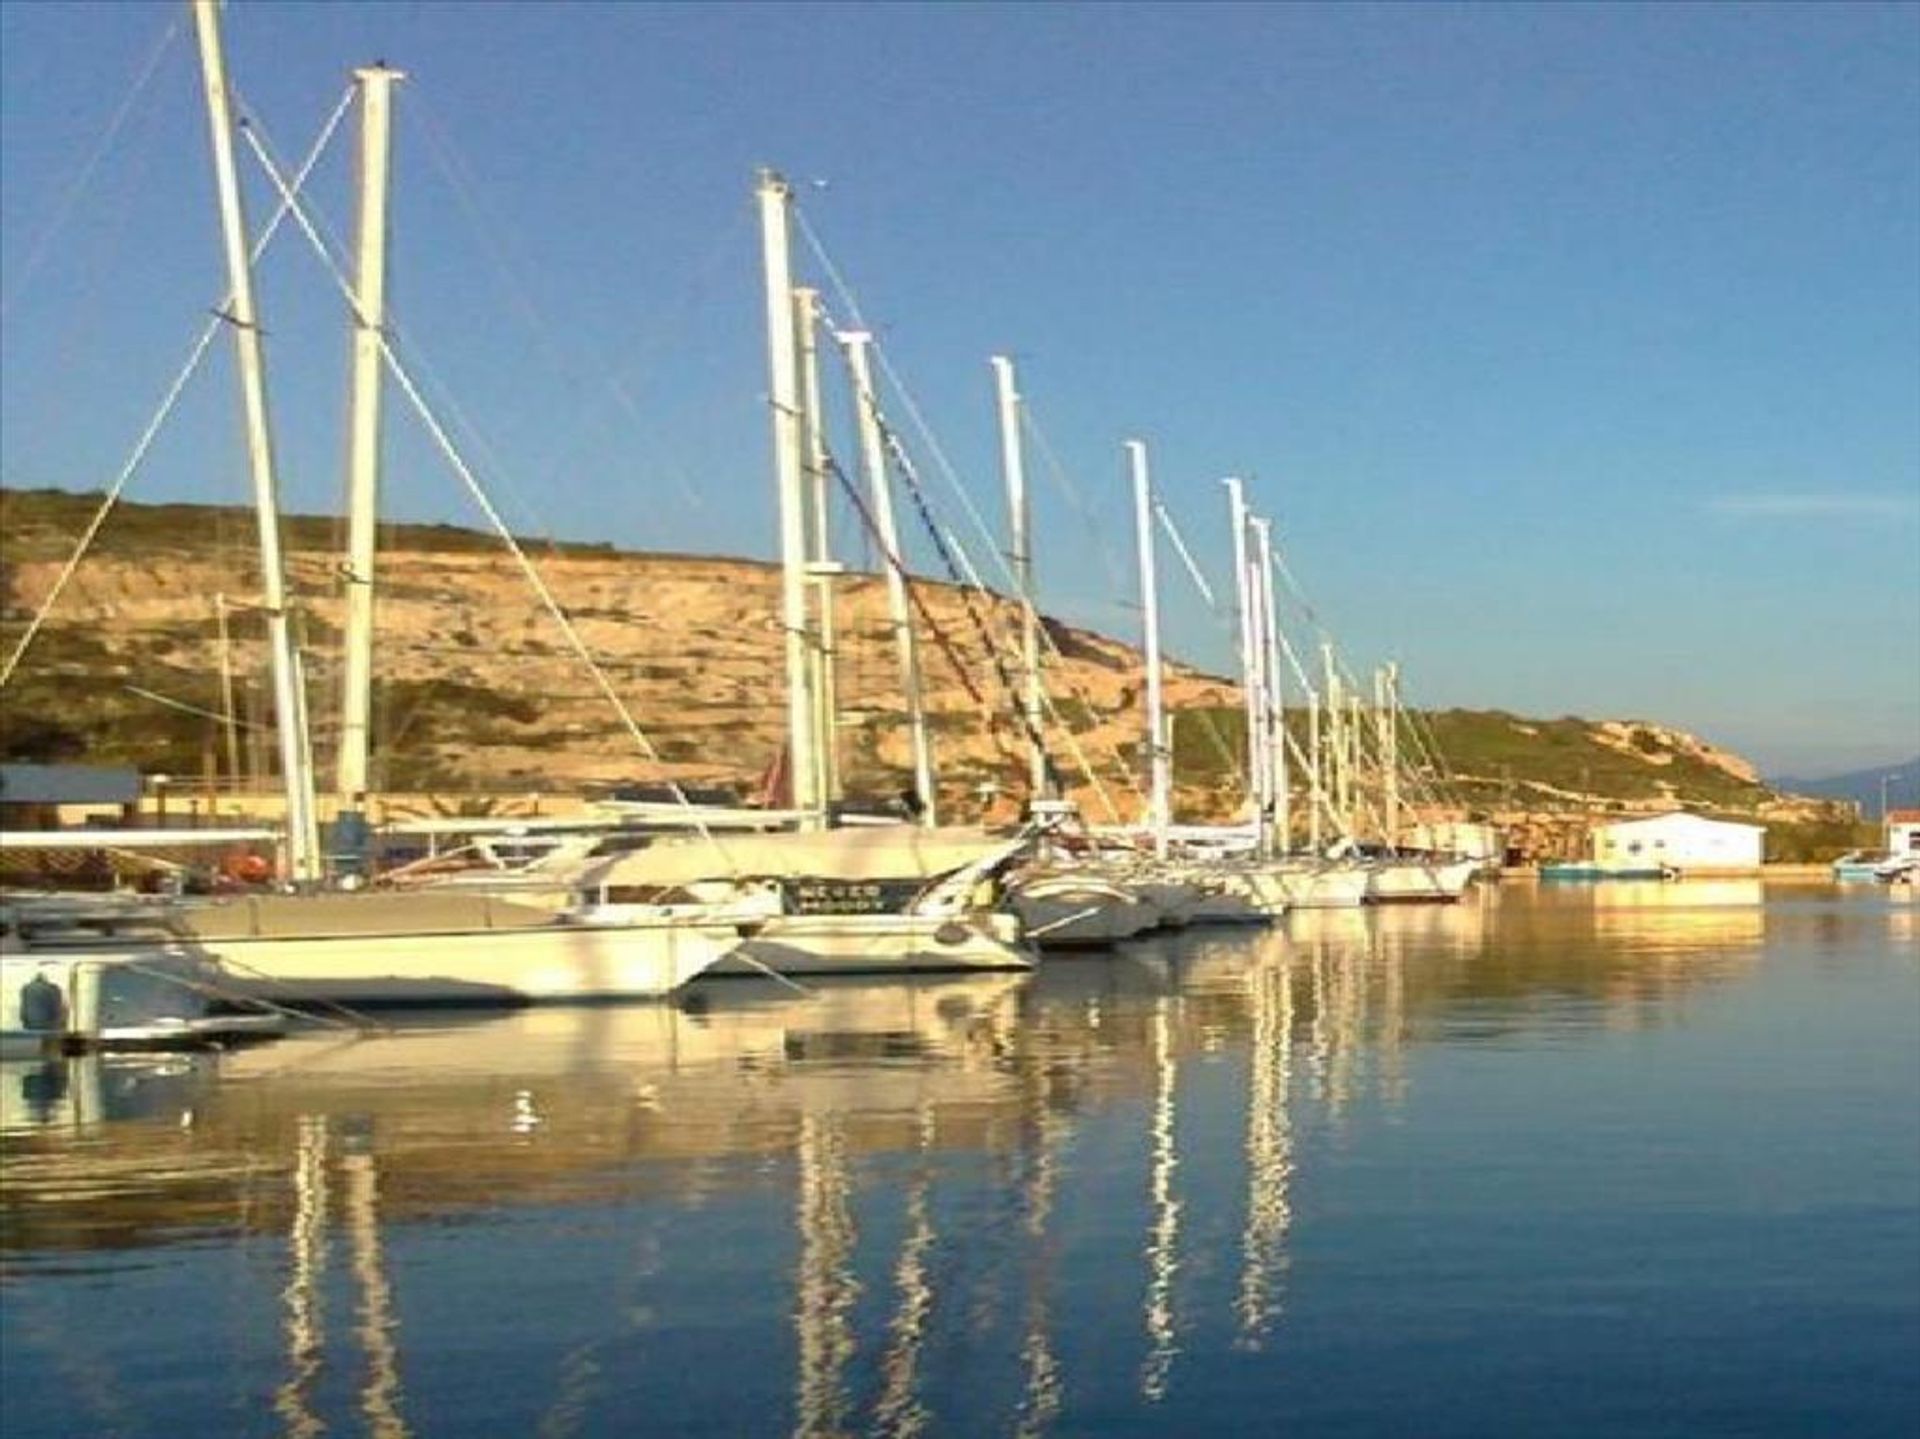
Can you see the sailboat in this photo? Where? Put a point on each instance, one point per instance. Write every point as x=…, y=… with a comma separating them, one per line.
x=819, y=900
x=1398, y=875
x=365, y=948
x=62, y=989
x=1075, y=893
x=884, y=899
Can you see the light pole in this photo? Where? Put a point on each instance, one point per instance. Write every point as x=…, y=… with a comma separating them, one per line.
x=1885, y=780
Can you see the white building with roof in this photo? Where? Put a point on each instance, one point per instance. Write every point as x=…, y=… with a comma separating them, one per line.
x=1689, y=843
x=1903, y=832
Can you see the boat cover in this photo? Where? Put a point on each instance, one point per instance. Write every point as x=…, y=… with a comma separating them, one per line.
x=906, y=852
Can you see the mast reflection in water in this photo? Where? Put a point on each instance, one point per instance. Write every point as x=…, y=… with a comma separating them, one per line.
x=1560, y=1162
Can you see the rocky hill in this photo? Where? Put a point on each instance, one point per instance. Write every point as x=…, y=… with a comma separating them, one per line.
x=155, y=640
x=478, y=688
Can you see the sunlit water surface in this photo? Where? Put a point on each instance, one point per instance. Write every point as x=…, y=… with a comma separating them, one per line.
x=1621, y=1160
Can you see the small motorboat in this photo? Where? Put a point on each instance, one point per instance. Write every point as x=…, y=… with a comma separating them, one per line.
x=69, y=981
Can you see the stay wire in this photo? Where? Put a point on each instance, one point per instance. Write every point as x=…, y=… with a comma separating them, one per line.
x=460, y=179
x=70, y=197
x=169, y=399
x=914, y=413
x=949, y=546
x=967, y=581
x=450, y=451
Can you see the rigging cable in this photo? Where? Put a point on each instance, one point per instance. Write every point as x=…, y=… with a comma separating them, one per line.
x=914, y=413
x=167, y=401
x=459, y=178
x=443, y=441
x=953, y=553
x=967, y=580
x=63, y=207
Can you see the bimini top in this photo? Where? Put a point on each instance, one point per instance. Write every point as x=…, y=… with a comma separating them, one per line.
x=869, y=852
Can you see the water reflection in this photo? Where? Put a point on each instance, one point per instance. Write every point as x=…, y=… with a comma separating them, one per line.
x=863, y=1120
x=900, y=1412
x=1162, y=1249
x=1269, y=1144
x=306, y=1261
x=825, y=1284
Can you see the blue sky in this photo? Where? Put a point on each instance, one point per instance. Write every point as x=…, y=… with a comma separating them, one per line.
x=1575, y=349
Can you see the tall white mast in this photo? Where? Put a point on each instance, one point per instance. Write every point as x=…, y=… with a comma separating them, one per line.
x=296, y=759
x=1335, y=739
x=873, y=459
x=1316, y=759
x=1013, y=467
x=821, y=569
x=1279, y=778
x=1258, y=583
x=1250, y=661
x=1390, y=748
x=1159, y=767
x=783, y=398
x=1355, y=734
x=363, y=443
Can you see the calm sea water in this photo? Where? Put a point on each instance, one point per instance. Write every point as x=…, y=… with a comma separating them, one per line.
x=1621, y=1160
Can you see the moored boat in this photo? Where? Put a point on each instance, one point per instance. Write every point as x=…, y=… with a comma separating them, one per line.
x=886, y=899
x=1582, y=871
x=1858, y=867
x=362, y=950
x=94, y=973
x=1414, y=880
x=1074, y=907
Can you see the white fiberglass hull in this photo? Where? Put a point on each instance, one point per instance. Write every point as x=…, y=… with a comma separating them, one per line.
x=553, y=963
x=1321, y=886
x=147, y=994
x=371, y=949
x=1414, y=881
x=818, y=944
x=1063, y=910
x=1245, y=893
x=1259, y=891
x=1176, y=900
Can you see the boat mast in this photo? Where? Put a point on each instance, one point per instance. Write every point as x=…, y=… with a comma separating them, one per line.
x=1279, y=778
x=1355, y=756
x=783, y=396
x=1336, y=742
x=302, y=861
x=363, y=457
x=821, y=568
x=229, y=715
x=1387, y=703
x=1159, y=770
x=873, y=458
x=1013, y=467
x=1250, y=664
x=1317, y=790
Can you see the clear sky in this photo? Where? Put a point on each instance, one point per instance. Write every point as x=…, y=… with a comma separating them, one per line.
x=1575, y=349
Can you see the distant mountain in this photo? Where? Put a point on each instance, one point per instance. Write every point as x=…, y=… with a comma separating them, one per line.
x=1862, y=786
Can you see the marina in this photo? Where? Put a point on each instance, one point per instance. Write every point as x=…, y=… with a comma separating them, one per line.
x=552, y=956
x=1588, y=1159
